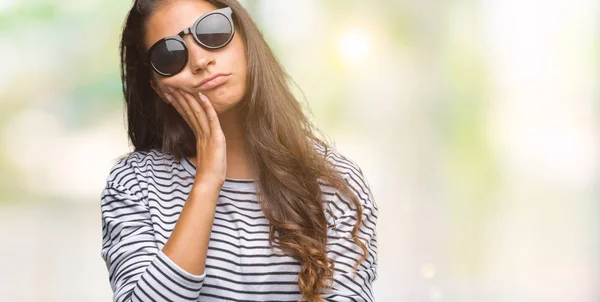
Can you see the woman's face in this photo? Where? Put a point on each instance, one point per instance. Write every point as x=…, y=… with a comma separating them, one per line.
x=171, y=18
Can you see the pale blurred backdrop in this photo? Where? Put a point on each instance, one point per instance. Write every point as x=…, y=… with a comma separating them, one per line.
x=476, y=124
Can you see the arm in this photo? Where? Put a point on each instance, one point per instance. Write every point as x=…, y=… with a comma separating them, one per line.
x=138, y=270
x=345, y=252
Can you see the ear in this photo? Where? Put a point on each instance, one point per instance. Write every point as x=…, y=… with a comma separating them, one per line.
x=158, y=91
x=156, y=88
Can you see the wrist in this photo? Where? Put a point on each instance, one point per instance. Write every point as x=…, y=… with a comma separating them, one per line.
x=206, y=186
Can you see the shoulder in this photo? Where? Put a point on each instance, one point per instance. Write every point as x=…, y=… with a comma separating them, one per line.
x=137, y=161
x=341, y=213
x=351, y=171
x=128, y=169
x=340, y=161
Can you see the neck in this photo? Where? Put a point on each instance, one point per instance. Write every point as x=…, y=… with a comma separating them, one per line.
x=233, y=129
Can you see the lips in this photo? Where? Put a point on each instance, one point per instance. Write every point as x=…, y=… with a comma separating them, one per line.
x=212, y=81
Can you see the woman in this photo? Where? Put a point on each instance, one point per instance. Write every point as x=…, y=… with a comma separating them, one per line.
x=228, y=195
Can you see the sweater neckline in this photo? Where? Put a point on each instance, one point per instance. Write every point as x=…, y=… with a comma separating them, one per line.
x=233, y=183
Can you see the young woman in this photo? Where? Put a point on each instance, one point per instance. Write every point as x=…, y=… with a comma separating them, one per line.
x=229, y=194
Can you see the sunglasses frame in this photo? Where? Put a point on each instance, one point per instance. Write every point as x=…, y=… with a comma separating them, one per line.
x=226, y=12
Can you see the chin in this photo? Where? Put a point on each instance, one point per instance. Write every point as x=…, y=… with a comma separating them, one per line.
x=224, y=101
x=222, y=106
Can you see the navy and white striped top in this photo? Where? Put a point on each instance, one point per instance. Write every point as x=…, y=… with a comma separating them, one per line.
x=144, y=195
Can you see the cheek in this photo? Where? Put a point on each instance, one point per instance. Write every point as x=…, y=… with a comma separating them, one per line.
x=241, y=68
x=239, y=53
x=173, y=81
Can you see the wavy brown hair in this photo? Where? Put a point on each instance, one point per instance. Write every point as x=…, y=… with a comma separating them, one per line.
x=280, y=140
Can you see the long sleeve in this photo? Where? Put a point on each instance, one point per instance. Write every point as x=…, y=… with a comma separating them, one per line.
x=138, y=270
x=341, y=247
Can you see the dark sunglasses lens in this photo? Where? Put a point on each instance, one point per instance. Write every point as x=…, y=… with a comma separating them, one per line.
x=169, y=56
x=214, y=30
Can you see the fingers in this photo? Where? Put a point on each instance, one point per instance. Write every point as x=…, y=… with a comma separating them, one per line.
x=185, y=111
x=211, y=114
x=188, y=105
x=175, y=103
x=198, y=111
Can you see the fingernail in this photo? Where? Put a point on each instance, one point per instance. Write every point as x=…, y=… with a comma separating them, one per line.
x=203, y=97
x=181, y=91
x=170, y=89
x=168, y=97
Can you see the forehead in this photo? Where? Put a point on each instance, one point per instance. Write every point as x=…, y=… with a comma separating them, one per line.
x=172, y=17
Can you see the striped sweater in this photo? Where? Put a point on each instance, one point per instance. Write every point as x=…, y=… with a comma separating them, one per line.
x=144, y=195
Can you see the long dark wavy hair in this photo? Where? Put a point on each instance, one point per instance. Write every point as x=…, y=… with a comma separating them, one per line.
x=280, y=140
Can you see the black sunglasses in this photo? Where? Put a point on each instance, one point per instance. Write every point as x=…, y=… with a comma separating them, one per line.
x=212, y=30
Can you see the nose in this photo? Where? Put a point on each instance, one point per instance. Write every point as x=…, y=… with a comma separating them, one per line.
x=198, y=57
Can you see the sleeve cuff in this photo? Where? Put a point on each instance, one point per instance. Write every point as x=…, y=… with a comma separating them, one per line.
x=165, y=279
x=183, y=274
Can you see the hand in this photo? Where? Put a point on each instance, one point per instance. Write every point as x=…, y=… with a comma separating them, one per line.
x=202, y=118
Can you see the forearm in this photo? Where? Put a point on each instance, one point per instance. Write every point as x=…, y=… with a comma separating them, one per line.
x=188, y=244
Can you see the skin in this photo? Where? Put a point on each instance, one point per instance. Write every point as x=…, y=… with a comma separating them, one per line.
x=212, y=117
x=169, y=20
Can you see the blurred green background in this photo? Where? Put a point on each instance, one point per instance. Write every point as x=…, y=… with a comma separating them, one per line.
x=476, y=124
